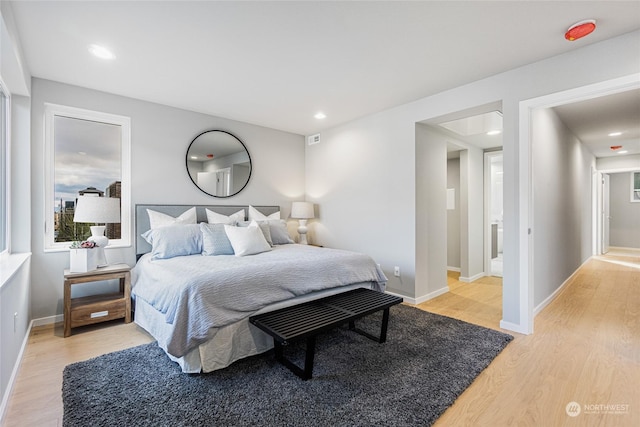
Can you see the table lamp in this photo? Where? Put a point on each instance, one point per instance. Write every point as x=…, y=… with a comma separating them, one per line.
x=99, y=210
x=302, y=211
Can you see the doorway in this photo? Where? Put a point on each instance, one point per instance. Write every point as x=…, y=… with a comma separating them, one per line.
x=494, y=229
x=533, y=269
x=467, y=136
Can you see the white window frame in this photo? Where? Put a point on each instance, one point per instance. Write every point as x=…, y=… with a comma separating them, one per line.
x=633, y=190
x=53, y=110
x=5, y=249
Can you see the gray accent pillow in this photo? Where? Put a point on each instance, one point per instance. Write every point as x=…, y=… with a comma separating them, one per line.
x=279, y=232
x=215, y=240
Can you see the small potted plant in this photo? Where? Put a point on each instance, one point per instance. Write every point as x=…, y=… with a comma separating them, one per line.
x=82, y=257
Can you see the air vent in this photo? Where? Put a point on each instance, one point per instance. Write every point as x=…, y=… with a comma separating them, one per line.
x=313, y=139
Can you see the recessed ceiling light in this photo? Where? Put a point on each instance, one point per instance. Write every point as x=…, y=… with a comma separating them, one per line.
x=494, y=132
x=194, y=157
x=320, y=116
x=623, y=152
x=615, y=134
x=101, y=52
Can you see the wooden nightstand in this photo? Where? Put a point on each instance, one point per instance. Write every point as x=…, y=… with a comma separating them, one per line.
x=97, y=308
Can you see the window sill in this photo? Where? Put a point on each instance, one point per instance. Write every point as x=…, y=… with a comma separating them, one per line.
x=10, y=264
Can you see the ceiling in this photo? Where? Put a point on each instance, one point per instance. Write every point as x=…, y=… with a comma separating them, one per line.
x=276, y=64
x=592, y=121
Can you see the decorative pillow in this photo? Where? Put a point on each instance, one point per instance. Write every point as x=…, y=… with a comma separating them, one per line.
x=215, y=240
x=216, y=218
x=264, y=227
x=174, y=240
x=158, y=219
x=256, y=215
x=279, y=232
x=247, y=240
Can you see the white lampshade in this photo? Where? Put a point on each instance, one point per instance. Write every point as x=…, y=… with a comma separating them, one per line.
x=302, y=210
x=99, y=210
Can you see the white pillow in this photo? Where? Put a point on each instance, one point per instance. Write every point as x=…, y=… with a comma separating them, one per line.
x=216, y=218
x=256, y=215
x=247, y=240
x=158, y=219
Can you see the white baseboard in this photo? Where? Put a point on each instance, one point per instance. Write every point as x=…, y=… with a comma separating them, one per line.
x=472, y=278
x=404, y=297
x=48, y=320
x=456, y=269
x=416, y=301
x=515, y=327
x=14, y=374
x=555, y=293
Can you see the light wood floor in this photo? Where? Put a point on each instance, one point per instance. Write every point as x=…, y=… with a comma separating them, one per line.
x=585, y=349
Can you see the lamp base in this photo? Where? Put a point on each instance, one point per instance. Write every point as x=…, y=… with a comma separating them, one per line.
x=97, y=236
x=302, y=231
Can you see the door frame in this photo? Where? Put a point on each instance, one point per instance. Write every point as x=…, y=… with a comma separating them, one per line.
x=605, y=213
x=598, y=226
x=526, y=234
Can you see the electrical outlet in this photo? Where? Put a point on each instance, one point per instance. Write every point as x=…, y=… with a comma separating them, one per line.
x=396, y=271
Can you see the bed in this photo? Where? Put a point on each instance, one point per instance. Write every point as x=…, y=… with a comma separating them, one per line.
x=197, y=307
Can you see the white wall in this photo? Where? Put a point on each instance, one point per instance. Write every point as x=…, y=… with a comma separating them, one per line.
x=453, y=215
x=431, y=213
x=562, y=202
x=624, y=227
x=363, y=173
x=160, y=136
x=471, y=214
x=15, y=269
x=14, y=321
x=618, y=162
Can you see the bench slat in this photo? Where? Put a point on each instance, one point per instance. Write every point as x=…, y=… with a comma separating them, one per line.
x=312, y=317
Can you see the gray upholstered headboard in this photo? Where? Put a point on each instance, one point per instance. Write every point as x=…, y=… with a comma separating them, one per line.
x=142, y=218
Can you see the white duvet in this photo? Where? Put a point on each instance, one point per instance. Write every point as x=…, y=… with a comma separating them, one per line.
x=197, y=293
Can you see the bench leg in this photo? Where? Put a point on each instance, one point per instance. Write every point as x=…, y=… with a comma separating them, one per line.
x=305, y=373
x=385, y=324
x=383, y=330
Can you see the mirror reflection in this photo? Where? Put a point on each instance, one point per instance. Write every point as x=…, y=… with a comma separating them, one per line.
x=218, y=163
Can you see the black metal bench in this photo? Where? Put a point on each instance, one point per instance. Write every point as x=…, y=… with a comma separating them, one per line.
x=308, y=319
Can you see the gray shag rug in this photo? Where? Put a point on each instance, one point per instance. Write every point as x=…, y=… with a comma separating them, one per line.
x=426, y=363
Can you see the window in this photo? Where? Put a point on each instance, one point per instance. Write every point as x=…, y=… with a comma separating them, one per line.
x=635, y=186
x=87, y=154
x=4, y=168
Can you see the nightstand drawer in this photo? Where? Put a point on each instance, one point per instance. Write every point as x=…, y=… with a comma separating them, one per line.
x=95, y=309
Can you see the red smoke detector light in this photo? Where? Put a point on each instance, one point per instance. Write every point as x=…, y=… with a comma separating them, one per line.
x=210, y=156
x=579, y=30
x=616, y=147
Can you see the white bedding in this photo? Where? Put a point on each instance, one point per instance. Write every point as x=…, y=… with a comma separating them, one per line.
x=186, y=301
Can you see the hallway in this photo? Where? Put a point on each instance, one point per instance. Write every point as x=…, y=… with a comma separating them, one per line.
x=585, y=349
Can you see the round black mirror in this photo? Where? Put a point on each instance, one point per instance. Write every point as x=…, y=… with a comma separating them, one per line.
x=218, y=163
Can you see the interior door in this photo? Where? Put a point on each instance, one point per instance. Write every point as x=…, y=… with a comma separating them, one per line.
x=606, y=213
x=223, y=181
